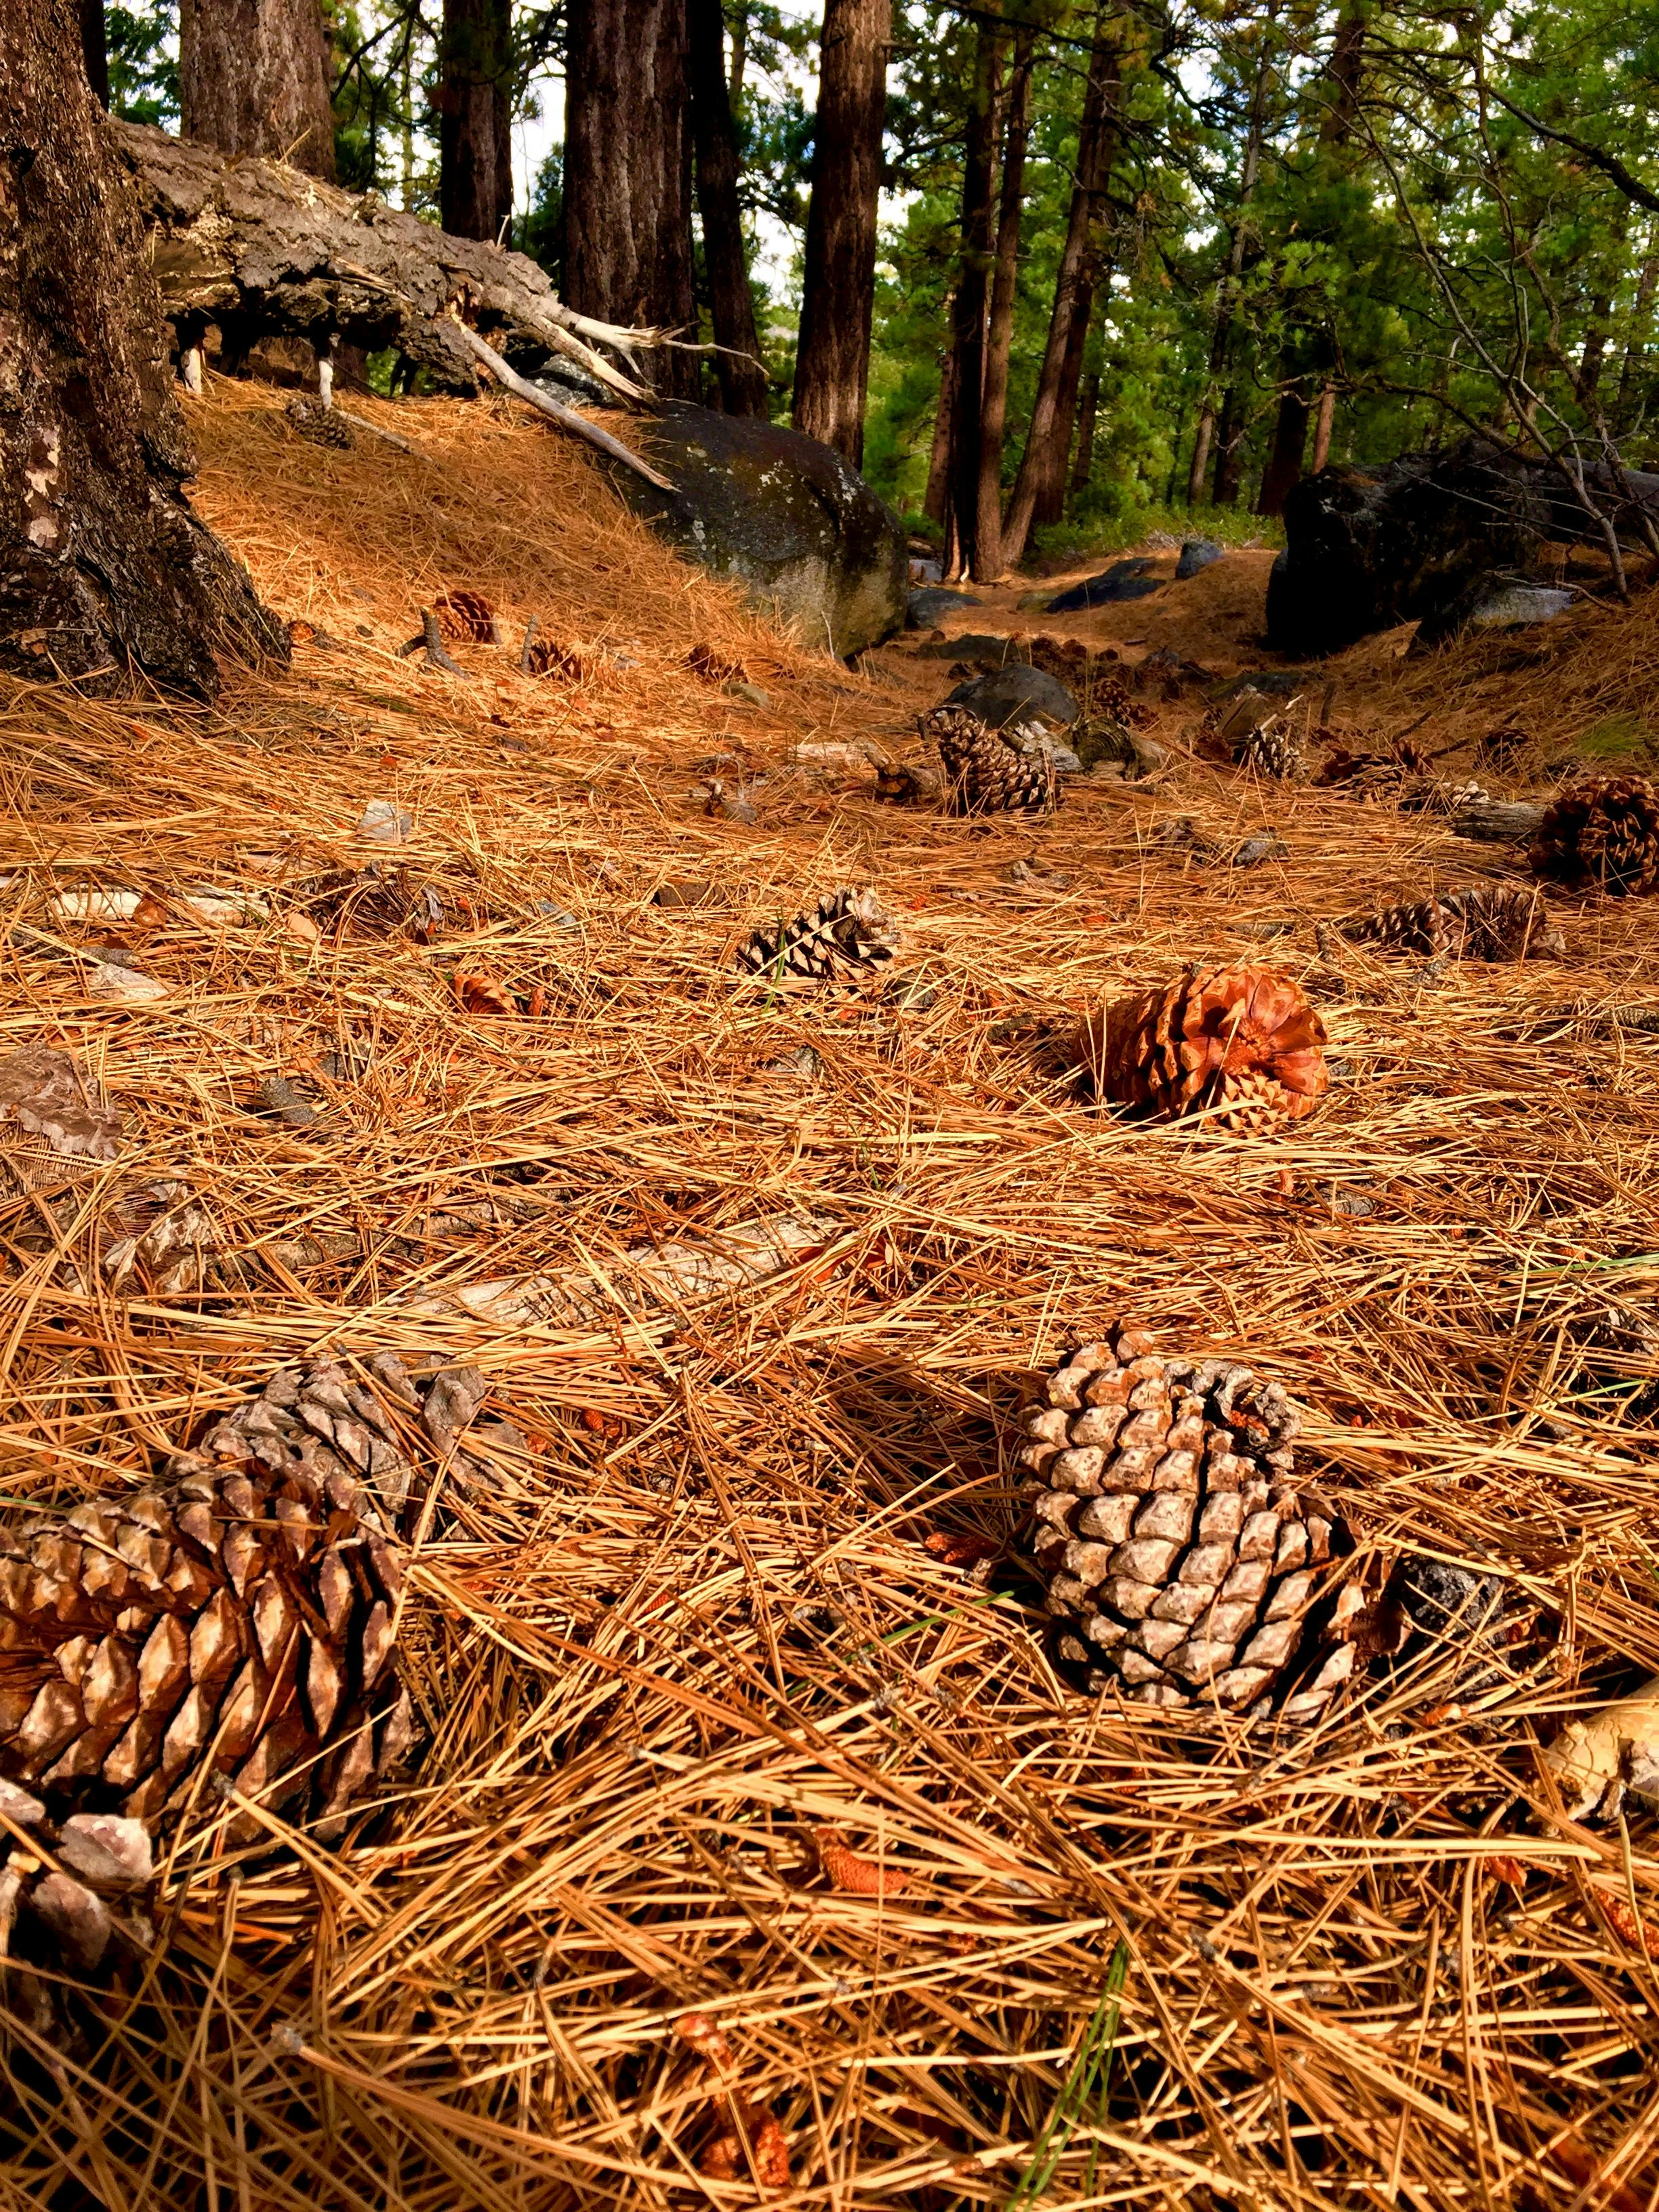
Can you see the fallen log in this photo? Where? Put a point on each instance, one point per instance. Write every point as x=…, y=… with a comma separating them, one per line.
x=262, y=250
x=1499, y=822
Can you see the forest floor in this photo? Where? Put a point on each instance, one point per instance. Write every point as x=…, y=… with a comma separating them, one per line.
x=725, y=1714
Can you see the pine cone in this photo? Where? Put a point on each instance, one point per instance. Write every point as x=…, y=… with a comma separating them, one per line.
x=236, y=1618
x=53, y=1130
x=985, y=771
x=1241, y=1043
x=70, y=1917
x=846, y=933
x=1174, y=1543
x=1490, y=922
x=1603, y=832
x=1272, y=750
x=320, y=423
x=467, y=615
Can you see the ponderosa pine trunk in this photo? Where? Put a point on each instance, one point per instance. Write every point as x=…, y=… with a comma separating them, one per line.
x=1324, y=423
x=94, y=49
x=725, y=256
x=999, y=334
x=973, y=297
x=1083, y=459
x=103, y=566
x=936, y=501
x=832, y=360
x=475, y=118
x=1229, y=449
x=1074, y=283
x=253, y=79
x=1221, y=343
x=1289, y=446
x=628, y=173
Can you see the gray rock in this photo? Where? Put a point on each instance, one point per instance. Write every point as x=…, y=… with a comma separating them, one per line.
x=1198, y=553
x=1124, y=580
x=1015, y=694
x=1255, y=850
x=1520, y=606
x=926, y=609
x=783, y=514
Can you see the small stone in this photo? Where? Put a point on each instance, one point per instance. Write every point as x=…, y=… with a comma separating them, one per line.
x=739, y=689
x=683, y=891
x=383, y=823
x=1255, y=850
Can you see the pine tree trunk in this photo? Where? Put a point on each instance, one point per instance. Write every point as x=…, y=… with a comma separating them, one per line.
x=1201, y=440
x=1323, y=424
x=253, y=79
x=1084, y=459
x=730, y=304
x=1289, y=444
x=475, y=120
x=1229, y=449
x=973, y=291
x=628, y=173
x=832, y=362
x=94, y=49
x=936, y=504
x=1073, y=290
x=999, y=343
x=1050, y=502
x=103, y=566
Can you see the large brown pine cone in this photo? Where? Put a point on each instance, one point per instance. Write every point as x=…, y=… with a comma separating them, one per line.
x=237, y=1618
x=1603, y=832
x=985, y=771
x=69, y=1914
x=1177, y=1551
x=1242, y=1043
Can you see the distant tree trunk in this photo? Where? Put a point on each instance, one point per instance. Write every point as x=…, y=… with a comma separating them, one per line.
x=999, y=343
x=628, y=173
x=94, y=49
x=1221, y=343
x=973, y=289
x=1646, y=284
x=1229, y=449
x=937, y=503
x=1324, y=423
x=103, y=568
x=1594, y=353
x=726, y=257
x=1082, y=461
x=1289, y=444
x=1051, y=503
x=1073, y=290
x=253, y=79
x=832, y=361
x=475, y=118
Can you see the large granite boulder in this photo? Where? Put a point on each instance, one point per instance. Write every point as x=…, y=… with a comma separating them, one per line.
x=1124, y=580
x=782, y=514
x=1429, y=539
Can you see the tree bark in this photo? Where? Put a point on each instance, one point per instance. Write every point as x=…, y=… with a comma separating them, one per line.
x=1229, y=449
x=1221, y=343
x=1324, y=423
x=1082, y=459
x=832, y=361
x=973, y=289
x=94, y=49
x=1289, y=444
x=726, y=257
x=999, y=336
x=1073, y=288
x=103, y=566
x=628, y=173
x=935, y=503
x=475, y=118
x=1646, y=284
x=253, y=79
x=1051, y=503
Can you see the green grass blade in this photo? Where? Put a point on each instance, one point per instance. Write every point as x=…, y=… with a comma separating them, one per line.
x=1086, y=2081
